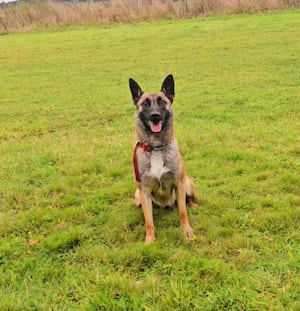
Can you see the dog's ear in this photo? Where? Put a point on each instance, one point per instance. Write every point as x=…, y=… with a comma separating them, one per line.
x=168, y=87
x=136, y=91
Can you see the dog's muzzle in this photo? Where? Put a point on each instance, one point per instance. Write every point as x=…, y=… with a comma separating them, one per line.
x=155, y=122
x=155, y=118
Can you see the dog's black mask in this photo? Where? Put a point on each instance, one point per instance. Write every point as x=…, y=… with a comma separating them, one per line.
x=154, y=113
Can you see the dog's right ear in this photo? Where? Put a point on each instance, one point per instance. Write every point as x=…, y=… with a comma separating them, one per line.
x=136, y=91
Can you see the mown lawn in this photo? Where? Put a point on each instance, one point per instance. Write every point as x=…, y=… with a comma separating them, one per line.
x=70, y=238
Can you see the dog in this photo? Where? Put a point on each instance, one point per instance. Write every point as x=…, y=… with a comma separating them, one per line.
x=158, y=166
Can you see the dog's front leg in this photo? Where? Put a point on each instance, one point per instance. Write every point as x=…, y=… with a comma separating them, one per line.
x=181, y=196
x=148, y=215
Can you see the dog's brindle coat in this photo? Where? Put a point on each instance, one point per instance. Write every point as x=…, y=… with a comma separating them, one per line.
x=162, y=177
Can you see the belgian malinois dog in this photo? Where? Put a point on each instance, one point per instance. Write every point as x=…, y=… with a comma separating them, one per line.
x=159, y=170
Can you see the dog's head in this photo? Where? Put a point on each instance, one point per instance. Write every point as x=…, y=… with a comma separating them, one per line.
x=154, y=110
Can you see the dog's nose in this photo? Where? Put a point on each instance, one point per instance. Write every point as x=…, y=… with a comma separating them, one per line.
x=155, y=117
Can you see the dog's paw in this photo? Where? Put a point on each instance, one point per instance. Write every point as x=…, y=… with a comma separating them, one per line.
x=189, y=233
x=192, y=201
x=149, y=239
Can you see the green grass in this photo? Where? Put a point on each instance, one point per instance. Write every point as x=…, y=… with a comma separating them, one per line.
x=70, y=238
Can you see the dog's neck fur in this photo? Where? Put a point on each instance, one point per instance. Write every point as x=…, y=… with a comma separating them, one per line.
x=154, y=139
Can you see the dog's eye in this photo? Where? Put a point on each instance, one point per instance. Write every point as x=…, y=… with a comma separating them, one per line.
x=161, y=102
x=146, y=103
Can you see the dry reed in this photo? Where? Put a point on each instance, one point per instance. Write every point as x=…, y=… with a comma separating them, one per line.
x=26, y=16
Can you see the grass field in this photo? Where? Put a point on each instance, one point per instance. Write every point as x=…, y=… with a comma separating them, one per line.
x=70, y=238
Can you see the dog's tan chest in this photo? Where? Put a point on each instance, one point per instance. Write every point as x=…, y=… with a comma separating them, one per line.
x=157, y=165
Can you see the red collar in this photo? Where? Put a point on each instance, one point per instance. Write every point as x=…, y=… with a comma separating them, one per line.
x=143, y=146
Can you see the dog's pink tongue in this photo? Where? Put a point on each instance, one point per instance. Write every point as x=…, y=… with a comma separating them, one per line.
x=156, y=128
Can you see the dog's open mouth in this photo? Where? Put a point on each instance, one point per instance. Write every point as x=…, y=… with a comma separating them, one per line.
x=156, y=127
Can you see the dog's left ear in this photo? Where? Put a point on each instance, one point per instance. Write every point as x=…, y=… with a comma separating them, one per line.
x=136, y=91
x=168, y=87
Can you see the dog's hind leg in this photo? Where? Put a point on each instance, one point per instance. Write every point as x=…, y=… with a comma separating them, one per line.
x=190, y=191
x=137, y=198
